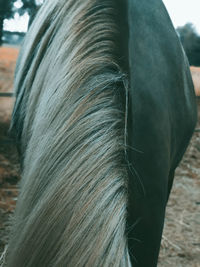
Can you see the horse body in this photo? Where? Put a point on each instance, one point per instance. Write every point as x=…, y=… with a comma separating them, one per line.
x=104, y=111
x=161, y=121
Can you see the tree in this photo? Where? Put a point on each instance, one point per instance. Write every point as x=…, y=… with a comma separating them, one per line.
x=6, y=11
x=191, y=43
x=31, y=7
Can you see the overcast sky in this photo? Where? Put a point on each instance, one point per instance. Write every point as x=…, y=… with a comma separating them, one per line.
x=181, y=12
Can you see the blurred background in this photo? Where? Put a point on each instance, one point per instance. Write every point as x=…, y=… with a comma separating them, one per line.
x=16, y=17
x=181, y=238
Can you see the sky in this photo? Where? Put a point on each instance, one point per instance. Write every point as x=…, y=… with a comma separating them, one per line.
x=183, y=11
x=180, y=11
x=18, y=23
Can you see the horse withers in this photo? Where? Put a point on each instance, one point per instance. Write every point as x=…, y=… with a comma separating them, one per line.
x=105, y=108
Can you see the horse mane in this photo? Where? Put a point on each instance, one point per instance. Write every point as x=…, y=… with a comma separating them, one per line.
x=70, y=121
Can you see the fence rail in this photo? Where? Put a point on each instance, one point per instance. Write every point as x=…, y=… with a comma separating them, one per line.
x=6, y=94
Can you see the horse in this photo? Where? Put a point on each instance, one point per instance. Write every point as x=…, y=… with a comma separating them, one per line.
x=105, y=108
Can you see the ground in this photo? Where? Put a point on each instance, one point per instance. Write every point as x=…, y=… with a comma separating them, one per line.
x=9, y=167
x=181, y=237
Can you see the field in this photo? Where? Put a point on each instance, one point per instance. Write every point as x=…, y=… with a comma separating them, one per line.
x=196, y=79
x=181, y=238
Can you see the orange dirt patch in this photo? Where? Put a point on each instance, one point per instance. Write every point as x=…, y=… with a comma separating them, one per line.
x=195, y=71
x=8, y=56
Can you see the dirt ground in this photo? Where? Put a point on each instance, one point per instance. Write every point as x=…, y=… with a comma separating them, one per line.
x=9, y=167
x=196, y=79
x=181, y=237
